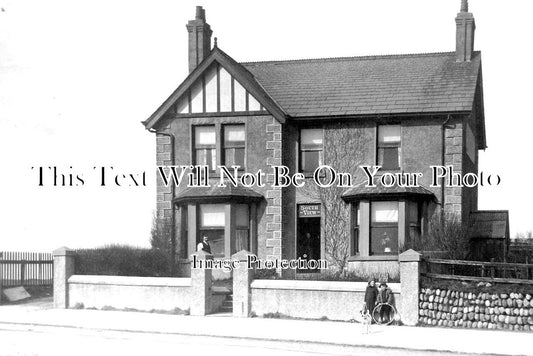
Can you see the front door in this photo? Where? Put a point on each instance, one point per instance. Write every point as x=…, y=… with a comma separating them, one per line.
x=308, y=232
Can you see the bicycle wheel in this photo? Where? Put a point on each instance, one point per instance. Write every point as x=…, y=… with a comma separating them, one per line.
x=384, y=314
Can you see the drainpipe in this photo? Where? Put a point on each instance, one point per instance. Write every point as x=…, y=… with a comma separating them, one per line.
x=444, y=126
x=172, y=217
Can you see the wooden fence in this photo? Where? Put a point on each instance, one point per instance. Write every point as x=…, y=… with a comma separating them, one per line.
x=26, y=269
x=479, y=271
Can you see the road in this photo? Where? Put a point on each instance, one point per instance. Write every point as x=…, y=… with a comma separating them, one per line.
x=16, y=339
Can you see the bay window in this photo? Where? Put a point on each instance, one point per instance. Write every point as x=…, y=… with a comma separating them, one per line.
x=212, y=225
x=383, y=227
x=242, y=227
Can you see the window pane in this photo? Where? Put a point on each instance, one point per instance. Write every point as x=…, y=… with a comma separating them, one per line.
x=212, y=215
x=310, y=160
x=384, y=240
x=384, y=211
x=204, y=135
x=355, y=244
x=311, y=138
x=216, y=241
x=234, y=135
x=206, y=157
x=234, y=157
x=389, y=134
x=241, y=215
x=413, y=213
x=389, y=158
x=241, y=240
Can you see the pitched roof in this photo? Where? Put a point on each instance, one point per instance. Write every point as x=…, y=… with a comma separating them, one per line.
x=362, y=191
x=216, y=194
x=393, y=84
x=490, y=224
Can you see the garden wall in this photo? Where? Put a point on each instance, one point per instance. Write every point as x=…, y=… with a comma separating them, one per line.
x=312, y=299
x=482, y=310
x=141, y=293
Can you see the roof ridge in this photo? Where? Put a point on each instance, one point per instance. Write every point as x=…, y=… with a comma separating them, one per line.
x=368, y=57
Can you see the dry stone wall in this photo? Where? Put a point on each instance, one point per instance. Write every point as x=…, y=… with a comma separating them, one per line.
x=450, y=308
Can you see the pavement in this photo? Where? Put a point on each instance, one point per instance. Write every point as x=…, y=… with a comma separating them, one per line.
x=491, y=342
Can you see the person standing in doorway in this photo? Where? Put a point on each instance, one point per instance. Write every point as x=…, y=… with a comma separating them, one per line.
x=204, y=245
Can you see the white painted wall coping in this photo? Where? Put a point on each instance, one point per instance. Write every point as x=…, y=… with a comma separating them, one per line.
x=317, y=285
x=130, y=281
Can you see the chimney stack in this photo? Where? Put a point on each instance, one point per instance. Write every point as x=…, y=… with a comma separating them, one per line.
x=199, y=39
x=466, y=27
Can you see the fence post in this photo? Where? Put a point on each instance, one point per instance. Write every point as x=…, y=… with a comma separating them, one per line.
x=200, y=284
x=242, y=277
x=63, y=269
x=410, y=262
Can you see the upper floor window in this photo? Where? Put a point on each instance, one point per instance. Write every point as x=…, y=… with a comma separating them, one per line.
x=234, y=145
x=205, y=151
x=311, y=150
x=383, y=227
x=389, y=147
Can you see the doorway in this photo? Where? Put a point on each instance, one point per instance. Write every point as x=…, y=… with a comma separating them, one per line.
x=308, y=241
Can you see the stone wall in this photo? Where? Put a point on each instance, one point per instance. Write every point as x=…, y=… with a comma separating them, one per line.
x=451, y=308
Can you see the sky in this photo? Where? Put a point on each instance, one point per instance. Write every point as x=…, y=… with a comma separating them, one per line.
x=78, y=77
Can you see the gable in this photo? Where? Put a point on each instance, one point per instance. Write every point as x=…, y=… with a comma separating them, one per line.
x=245, y=93
x=216, y=91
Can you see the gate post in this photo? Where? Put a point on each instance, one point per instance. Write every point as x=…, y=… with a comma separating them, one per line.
x=242, y=277
x=63, y=269
x=200, y=284
x=1, y=276
x=410, y=262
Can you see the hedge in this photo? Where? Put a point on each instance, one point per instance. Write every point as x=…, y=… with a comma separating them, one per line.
x=120, y=260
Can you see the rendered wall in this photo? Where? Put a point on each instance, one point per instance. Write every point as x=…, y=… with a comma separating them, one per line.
x=141, y=293
x=312, y=299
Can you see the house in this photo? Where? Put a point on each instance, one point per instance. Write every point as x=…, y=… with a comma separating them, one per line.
x=404, y=113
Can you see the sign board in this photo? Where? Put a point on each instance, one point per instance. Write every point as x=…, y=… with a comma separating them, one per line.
x=16, y=294
x=309, y=211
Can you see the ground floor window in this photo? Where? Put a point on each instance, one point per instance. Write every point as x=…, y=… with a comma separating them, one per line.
x=356, y=218
x=384, y=227
x=212, y=225
x=230, y=227
x=242, y=227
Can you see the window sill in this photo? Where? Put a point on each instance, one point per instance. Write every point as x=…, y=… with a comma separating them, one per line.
x=373, y=258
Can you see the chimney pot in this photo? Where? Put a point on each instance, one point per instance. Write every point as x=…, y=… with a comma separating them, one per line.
x=464, y=5
x=199, y=39
x=466, y=27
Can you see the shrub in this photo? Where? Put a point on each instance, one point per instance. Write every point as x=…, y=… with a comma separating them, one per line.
x=349, y=276
x=446, y=234
x=119, y=260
